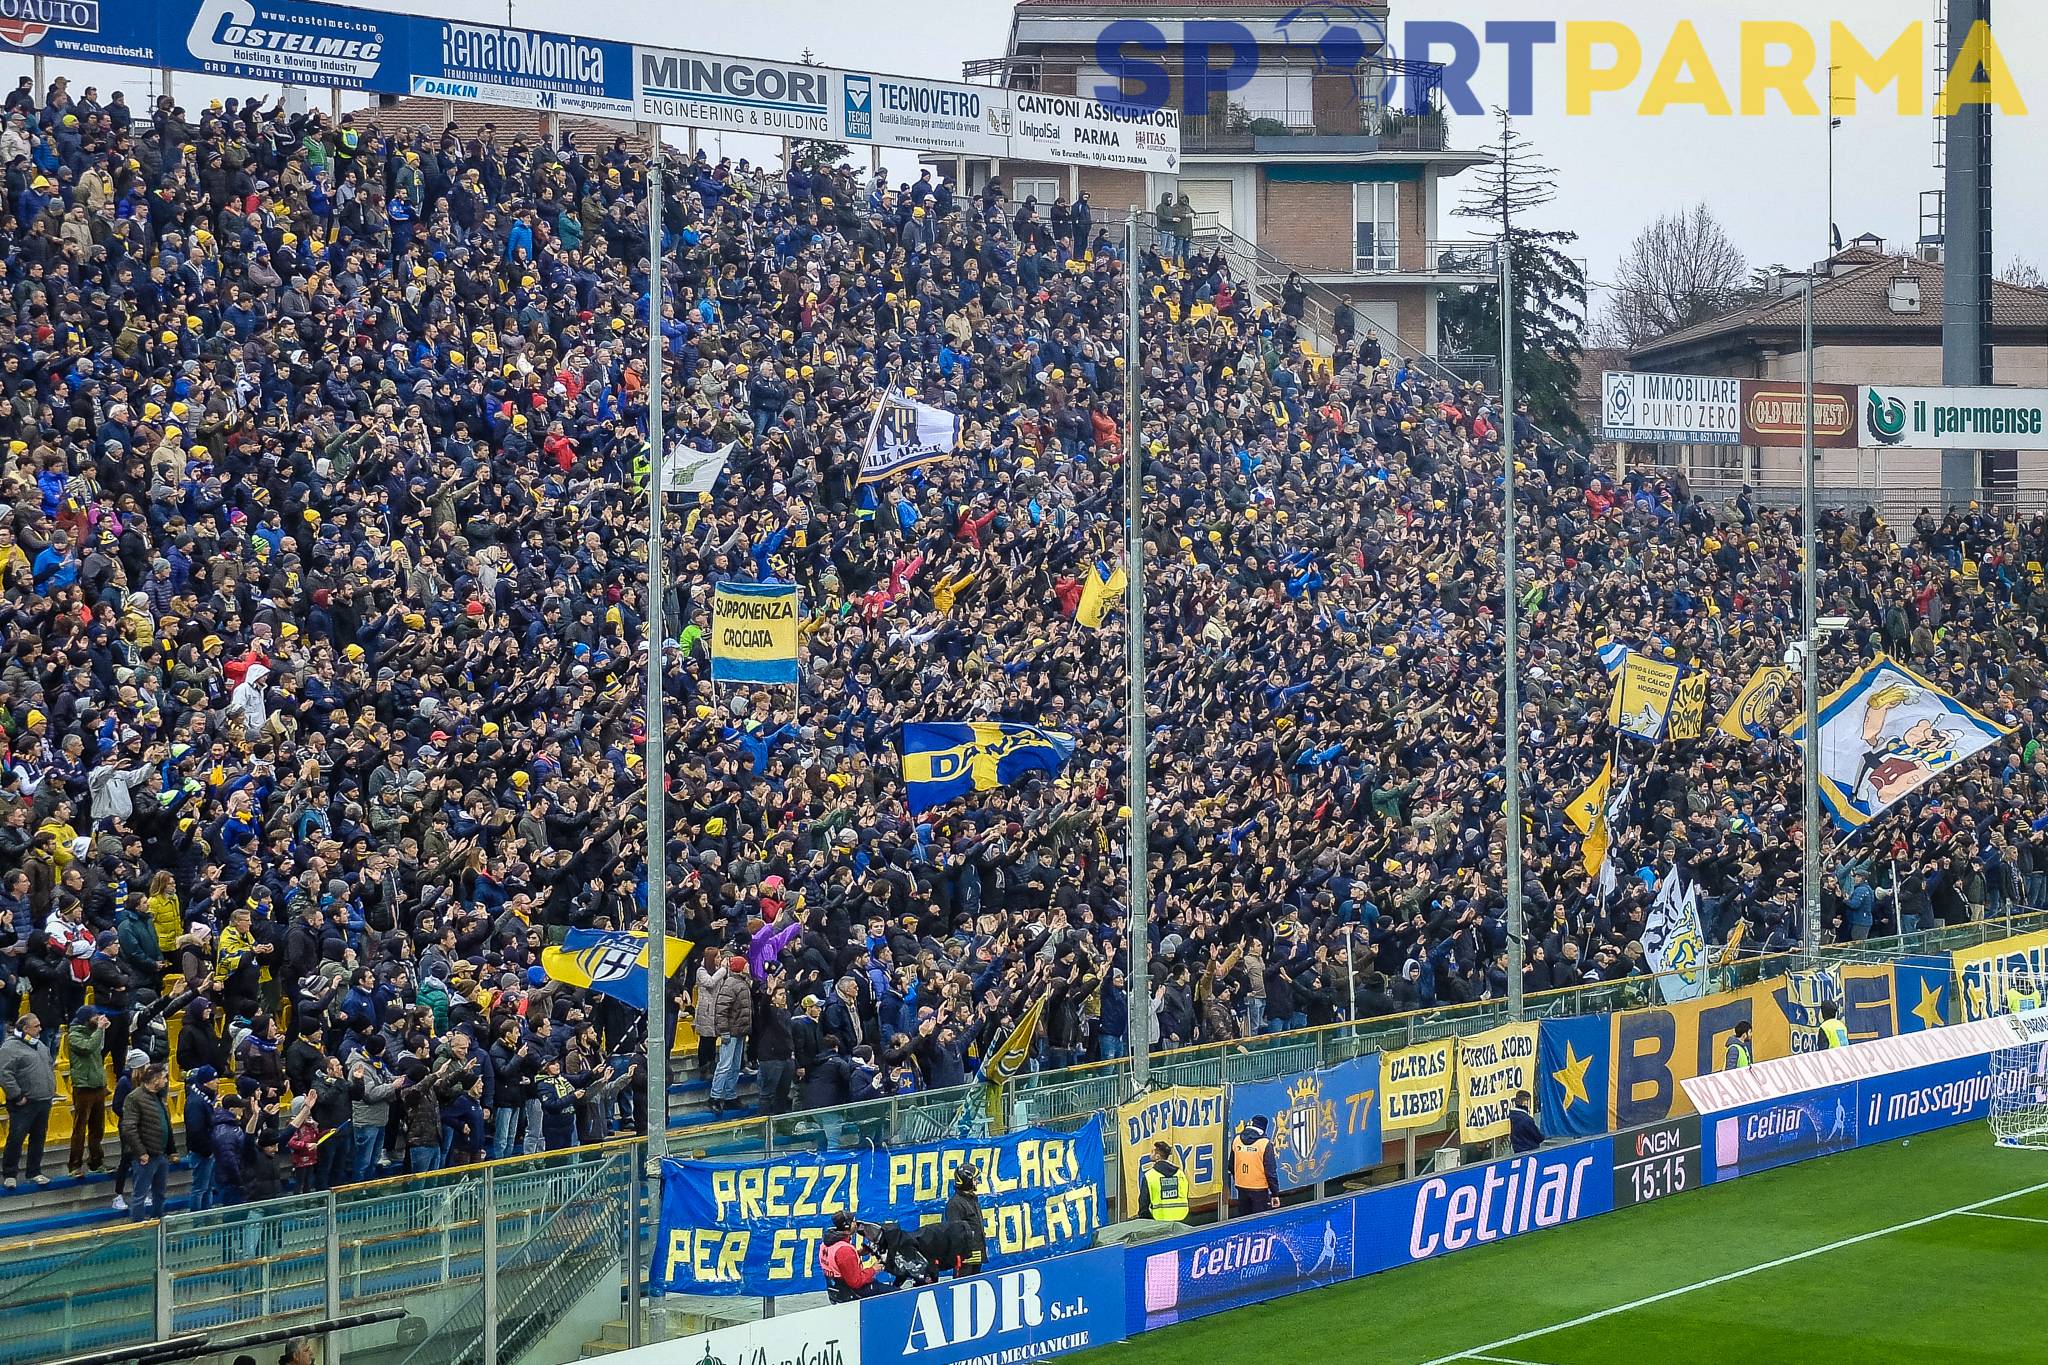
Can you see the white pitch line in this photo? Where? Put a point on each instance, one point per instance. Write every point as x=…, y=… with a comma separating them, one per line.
x=1481, y=1351
x=1502, y=1360
x=2009, y=1218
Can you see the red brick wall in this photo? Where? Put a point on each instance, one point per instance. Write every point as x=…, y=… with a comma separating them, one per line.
x=1309, y=226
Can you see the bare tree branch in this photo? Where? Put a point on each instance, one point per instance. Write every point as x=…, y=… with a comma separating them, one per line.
x=1679, y=271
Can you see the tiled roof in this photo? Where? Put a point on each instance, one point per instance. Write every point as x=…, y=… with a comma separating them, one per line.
x=424, y=111
x=1856, y=300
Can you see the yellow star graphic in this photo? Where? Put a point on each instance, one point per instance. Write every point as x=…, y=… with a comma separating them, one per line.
x=1928, y=1011
x=1572, y=1076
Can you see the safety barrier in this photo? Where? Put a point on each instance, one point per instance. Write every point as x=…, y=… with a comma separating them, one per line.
x=552, y=1223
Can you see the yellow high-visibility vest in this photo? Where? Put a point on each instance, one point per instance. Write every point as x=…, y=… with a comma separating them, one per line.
x=1167, y=1193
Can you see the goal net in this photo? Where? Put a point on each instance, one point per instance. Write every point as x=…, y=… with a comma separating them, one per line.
x=2019, y=1074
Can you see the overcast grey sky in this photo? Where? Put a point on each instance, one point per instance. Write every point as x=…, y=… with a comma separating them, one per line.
x=1764, y=176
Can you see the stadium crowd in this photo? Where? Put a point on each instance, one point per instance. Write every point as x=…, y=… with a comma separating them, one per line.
x=320, y=712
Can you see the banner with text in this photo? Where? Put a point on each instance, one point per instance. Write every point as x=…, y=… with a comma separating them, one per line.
x=1954, y=419
x=1986, y=972
x=754, y=633
x=1415, y=1087
x=1774, y=415
x=755, y=1227
x=1492, y=1066
x=1062, y=128
x=521, y=69
x=1677, y=409
x=1189, y=1118
x=1322, y=1125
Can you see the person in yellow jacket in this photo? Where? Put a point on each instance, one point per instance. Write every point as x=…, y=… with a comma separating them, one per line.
x=1163, y=1188
x=2022, y=996
x=1833, y=1032
x=165, y=911
x=1252, y=1170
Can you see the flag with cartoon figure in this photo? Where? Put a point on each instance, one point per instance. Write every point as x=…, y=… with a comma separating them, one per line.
x=1885, y=734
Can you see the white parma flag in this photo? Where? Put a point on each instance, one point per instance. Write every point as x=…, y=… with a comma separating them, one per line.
x=906, y=434
x=689, y=470
x=1672, y=940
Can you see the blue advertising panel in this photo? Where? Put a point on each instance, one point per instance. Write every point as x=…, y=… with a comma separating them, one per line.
x=1030, y=1313
x=485, y=63
x=88, y=30
x=283, y=40
x=1779, y=1132
x=1481, y=1204
x=1323, y=1124
x=1237, y=1263
x=755, y=1227
x=1926, y=1098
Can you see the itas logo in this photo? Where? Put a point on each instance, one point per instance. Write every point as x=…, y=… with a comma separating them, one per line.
x=860, y=107
x=24, y=23
x=1499, y=1200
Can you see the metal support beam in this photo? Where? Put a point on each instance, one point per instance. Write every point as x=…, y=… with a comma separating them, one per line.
x=490, y=1264
x=1139, y=892
x=1966, y=252
x=656, y=765
x=1809, y=674
x=1511, y=680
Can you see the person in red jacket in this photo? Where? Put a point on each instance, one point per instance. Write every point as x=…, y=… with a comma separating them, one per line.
x=848, y=1273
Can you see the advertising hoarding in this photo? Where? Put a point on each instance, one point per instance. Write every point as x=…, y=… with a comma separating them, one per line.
x=1238, y=1263
x=1062, y=128
x=1677, y=409
x=1774, y=415
x=1954, y=418
x=1071, y=1303
x=487, y=64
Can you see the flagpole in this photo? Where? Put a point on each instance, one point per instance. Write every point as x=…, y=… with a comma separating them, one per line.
x=656, y=756
x=1511, y=683
x=1809, y=667
x=1139, y=918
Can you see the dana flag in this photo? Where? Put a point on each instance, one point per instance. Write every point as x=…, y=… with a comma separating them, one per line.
x=1885, y=734
x=906, y=434
x=1672, y=940
x=689, y=470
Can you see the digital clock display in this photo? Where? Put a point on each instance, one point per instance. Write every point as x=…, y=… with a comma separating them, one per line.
x=1653, y=1162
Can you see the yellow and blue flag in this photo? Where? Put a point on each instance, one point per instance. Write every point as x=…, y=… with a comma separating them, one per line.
x=949, y=759
x=1008, y=1058
x=610, y=963
x=1613, y=655
x=1573, y=1078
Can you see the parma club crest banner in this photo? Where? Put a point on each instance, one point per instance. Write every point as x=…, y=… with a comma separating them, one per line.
x=1885, y=734
x=1322, y=1125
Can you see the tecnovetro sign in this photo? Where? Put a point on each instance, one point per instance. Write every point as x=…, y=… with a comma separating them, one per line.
x=900, y=111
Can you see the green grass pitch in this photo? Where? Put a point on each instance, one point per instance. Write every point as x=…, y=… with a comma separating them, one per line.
x=1870, y=1257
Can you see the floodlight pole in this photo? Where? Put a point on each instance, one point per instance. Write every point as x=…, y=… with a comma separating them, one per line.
x=1511, y=679
x=1139, y=916
x=657, y=755
x=1809, y=663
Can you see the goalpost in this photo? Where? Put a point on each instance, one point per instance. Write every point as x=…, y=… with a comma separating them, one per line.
x=2019, y=1074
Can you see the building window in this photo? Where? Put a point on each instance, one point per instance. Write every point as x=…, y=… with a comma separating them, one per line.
x=1043, y=190
x=1375, y=211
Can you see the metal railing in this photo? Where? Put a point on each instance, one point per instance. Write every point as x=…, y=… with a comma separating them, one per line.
x=555, y=1225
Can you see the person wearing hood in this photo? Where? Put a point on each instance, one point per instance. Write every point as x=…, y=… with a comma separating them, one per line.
x=85, y=1051
x=199, y=1115
x=732, y=1022
x=247, y=701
